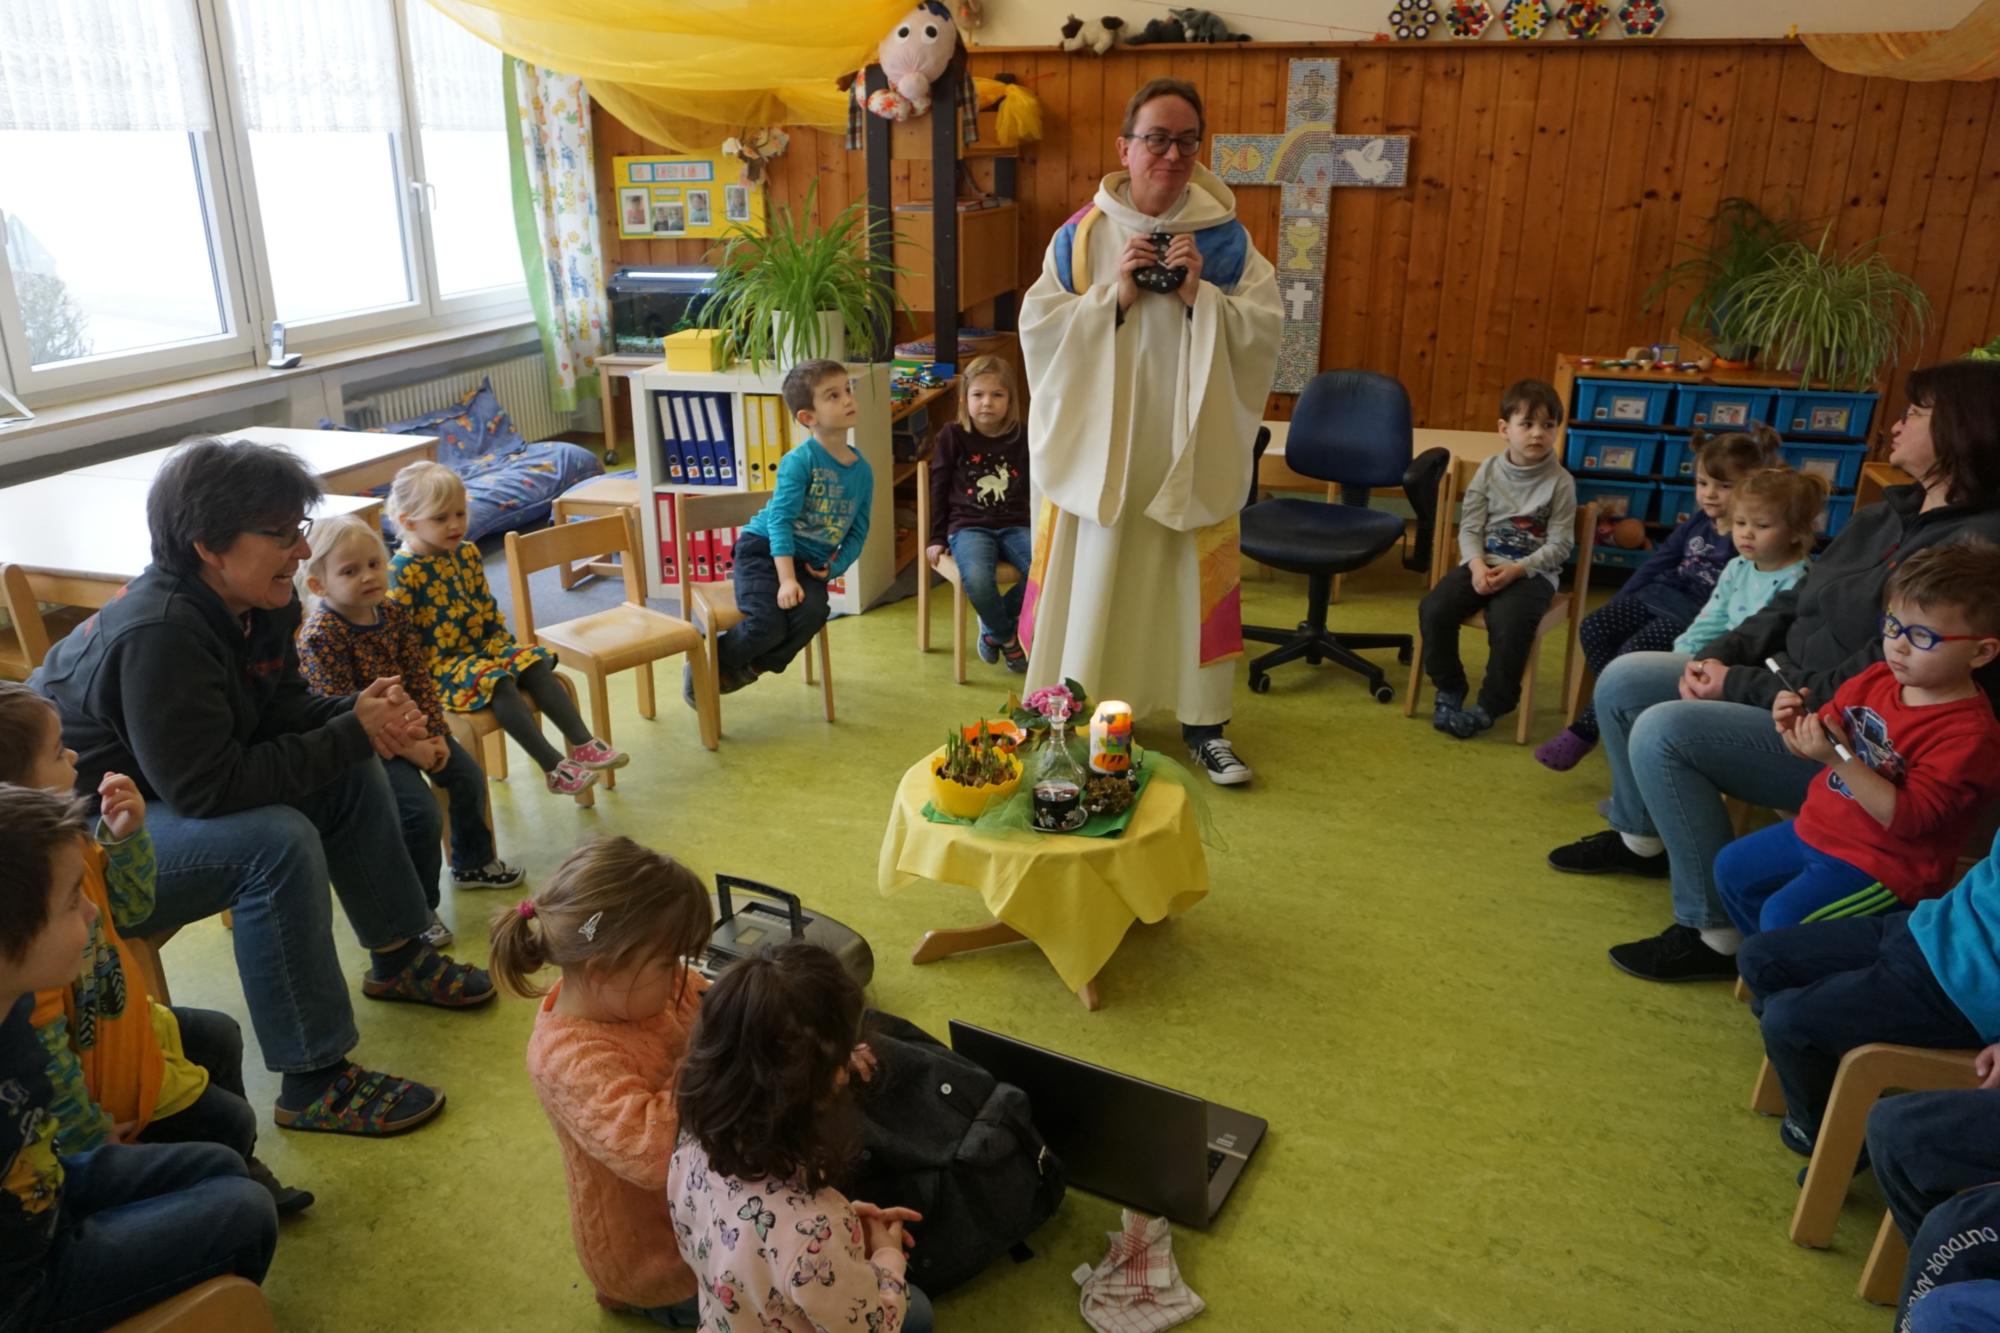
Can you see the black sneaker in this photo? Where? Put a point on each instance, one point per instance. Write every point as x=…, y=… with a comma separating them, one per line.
x=1675, y=954
x=1442, y=710
x=1218, y=759
x=495, y=874
x=1606, y=854
x=1793, y=1135
x=1465, y=723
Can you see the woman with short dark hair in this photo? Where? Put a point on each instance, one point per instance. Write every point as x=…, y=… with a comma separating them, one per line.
x=188, y=682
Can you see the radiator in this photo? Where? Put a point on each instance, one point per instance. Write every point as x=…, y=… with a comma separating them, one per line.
x=520, y=383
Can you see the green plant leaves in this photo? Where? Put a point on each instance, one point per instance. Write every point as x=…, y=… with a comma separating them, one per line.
x=1839, y=318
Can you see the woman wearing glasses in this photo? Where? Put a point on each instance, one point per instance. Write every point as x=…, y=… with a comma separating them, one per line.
x=1681, y=733
x=1151, y=341
x=260, y=792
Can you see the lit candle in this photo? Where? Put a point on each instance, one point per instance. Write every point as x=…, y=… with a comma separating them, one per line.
x=1111, y=737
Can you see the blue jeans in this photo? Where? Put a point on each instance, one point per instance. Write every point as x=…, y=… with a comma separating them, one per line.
x=465, y=786
x=978, y=553
x=769, y=636
x=686, y=1314
x=1673, y=760
x=143, y=1222
x=1771, y=878
x=271, y=865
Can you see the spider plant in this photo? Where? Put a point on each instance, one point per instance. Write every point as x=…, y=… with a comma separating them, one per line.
x=1840, y=318
x=772, y=289
x=1745, y=238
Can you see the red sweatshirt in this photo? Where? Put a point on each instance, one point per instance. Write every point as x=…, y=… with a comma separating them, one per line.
x=1945, y=762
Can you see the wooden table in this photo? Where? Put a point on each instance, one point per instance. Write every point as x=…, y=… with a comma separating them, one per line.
x=1876, y=477
x=346, y=462
x=609, y=368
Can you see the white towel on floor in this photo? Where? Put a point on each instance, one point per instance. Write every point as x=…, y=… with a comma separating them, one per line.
x=1138, y=1287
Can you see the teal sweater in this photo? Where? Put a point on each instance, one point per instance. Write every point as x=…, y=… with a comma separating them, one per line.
x=1960, y=936
x=818, y=511
x=1740, y=593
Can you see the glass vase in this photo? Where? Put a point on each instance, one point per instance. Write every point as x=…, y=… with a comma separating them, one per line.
x=1058, y=786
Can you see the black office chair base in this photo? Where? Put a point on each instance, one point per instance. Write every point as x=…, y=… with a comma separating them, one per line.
x=1313, y=641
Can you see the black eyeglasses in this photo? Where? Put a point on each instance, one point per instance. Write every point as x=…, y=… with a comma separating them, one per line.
x=1158, y=141
x=287, y=536
x=1922, y=637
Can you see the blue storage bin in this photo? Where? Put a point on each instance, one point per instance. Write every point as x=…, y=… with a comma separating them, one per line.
x=1618, y=557
x=1676, y=456
x=1676, y=505
x=1840, y=414
x=1623, y=402
x=1632, y=453
x=1717, y=408
x=1840, y=464
x=1839, y=509
x=1617, y=499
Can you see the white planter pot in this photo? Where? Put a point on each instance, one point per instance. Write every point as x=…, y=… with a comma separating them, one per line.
x=826, y=338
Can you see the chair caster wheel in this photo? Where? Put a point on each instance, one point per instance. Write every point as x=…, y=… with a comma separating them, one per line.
x=1260, y=683
x=1383, y=693
x=1404, y=655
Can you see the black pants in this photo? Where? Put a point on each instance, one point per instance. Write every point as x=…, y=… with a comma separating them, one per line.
x=1952, y=1283
x=465, y=785
x=769, y=636
x=1622, y=625
x=1825, y=988
x=1928, y=1146
x=221, y=1114
x=1512, y=614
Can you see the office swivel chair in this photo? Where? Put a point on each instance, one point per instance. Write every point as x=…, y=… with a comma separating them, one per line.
x=1350, y=428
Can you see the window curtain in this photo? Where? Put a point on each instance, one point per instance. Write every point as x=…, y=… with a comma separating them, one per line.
x=1970, y=51
x=102, y=65
x=454, y=75
x=555, y=213
x=313, y=68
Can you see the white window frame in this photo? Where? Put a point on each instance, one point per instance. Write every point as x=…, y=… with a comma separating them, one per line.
x=234, y=221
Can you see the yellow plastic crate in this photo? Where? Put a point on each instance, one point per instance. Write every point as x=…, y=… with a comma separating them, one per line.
x=696, y=350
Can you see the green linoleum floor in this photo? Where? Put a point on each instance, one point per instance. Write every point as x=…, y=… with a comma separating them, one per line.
x=1476, y=1122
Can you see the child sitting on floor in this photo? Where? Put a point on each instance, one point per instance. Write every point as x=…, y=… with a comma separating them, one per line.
x=619, y=920
x=355, y=636
x=91, y=1238
x=766, y=1128
x=123, y=1066
x=811, y=529
x=1882, y=830
x=1664, y=595
x=440, y=578
x=1516, y=529
x=979, y=504
x=1771, y=517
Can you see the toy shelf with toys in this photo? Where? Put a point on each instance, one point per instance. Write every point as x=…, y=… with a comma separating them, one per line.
x=723, y=432
x=1633, y=425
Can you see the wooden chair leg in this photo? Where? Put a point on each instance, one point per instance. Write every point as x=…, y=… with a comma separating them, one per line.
x=1573, y=671
x=494, y=760
x=1766, y=1097
x=1882, y=1276
x=228, y=919
x=924, y=574
x=1336, y=588
x=958, y=633
x=1527, y=707
x=1742, y=990
x=600, y=720
x=825, y=671
x=1412, y=691
x=708, y=693
x=644, y=684
x=566, y=573
x=812, y=677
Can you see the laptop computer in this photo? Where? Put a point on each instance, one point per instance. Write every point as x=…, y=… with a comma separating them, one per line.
x=1156, y=1149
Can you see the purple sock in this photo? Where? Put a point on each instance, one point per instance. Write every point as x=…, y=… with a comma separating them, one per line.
x=1563, y=751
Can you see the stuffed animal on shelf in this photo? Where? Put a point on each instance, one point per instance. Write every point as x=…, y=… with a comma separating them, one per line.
x=1093, y=35
x=1159, y=32
x=1203, y=26
x=914, y=54
x=756, y=149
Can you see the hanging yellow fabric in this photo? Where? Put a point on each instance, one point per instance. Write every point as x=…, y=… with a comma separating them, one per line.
x=1970, y=51
x=690, y=73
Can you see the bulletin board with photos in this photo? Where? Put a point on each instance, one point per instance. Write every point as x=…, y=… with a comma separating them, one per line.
x=668, y=198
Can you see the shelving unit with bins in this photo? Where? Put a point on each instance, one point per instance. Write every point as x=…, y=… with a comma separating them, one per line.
x=876, y=568
x=1628, y=436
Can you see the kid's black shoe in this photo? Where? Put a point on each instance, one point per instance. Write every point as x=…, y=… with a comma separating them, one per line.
x=1605, y=854
x=1677, y=953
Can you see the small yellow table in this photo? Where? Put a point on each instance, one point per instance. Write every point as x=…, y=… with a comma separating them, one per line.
x=1074, y=897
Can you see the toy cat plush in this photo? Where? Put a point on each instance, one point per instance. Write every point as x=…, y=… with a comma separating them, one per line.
x=1202, y=26
x=913, y=56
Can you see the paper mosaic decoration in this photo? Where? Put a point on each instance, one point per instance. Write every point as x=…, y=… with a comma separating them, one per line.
x=1585, y=19
x=1467, y=18
x=1643, y=18
x=1525, y=20
x=1412, y=20
x=1307, y=162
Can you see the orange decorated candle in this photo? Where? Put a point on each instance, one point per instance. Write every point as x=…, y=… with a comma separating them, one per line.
x=1111, y=738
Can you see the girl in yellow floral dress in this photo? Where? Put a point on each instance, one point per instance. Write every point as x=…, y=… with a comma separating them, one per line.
x=477, y=664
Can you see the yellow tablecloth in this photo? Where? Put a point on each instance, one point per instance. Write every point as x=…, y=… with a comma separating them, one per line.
x=1074, y=897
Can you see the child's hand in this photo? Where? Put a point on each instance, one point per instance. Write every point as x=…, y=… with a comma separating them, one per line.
x=1808, y=739
x=819, y=572
x=931, y=554
x=121, y=806
x=1482, y=576
x=1987, y=1066
x=125, y=1131
x=1505, y=576
x=790, y=594
x=882, y=1228
x=863, y=1061
x=1786, y=707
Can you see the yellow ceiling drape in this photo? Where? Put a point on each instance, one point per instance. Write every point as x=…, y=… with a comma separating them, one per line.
x=690, y=73
x=1970, y=51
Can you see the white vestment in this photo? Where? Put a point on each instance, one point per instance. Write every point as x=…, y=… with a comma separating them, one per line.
x=1140, y=437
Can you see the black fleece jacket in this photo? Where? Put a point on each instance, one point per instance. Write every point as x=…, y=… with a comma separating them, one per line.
x=204, y=711
x=1827, y=628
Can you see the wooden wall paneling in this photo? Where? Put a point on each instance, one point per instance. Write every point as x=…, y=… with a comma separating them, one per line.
x=1879, y=134
x=1968, y=321
x=1968, y=124
x=1471, y=177
x=1431, y=157
x=1579, y=203
x=1608, y=320
x=1526, y=348
x=1759, y=81
x=1345, y=310
x=1704, y=164
x=1390, y=277
x=1801, y=84
x=1660, y=197
x=1832, y=146
x=1908, y=191
x=1512, y=225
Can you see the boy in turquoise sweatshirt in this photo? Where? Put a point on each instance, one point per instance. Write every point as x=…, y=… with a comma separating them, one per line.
x=808, y=534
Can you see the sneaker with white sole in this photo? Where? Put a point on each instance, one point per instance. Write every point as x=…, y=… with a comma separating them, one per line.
x=437, y=934
x=495, y=874
x=568, y=778
x=1218, y=758
x=596, y=754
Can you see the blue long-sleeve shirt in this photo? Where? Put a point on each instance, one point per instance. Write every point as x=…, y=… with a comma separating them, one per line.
x=1959, y=934
x=818, y=510
x=1678, y=578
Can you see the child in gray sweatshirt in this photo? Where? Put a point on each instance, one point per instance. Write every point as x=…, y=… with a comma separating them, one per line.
x=1516, y=530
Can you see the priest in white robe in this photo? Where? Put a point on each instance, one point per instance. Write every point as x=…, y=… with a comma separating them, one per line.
x=1143, y=413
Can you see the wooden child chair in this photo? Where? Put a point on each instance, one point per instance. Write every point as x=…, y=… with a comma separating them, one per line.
x=712, y=606
x=233, y=1303
x=1565, y=606
x=596, y=498
x=1005, y=574
x=27, y=639
x=628, y=635
x=483, y=739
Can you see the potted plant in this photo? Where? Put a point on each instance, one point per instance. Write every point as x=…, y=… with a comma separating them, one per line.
x=967, y=774
x=1032, y=715
x=1990, y=352
x=799, y=290
x=1745, y=237
x=1838, y=318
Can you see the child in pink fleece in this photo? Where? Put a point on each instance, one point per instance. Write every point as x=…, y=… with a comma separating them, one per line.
x=619, y=920
x=766, y=1125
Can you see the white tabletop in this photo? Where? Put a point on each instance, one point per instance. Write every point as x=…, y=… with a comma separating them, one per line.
x=324, y=452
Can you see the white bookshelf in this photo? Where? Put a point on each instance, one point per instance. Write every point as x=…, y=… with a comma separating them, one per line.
x=870, y=575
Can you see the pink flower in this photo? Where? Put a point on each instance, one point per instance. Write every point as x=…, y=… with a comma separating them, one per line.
x=1053, y=702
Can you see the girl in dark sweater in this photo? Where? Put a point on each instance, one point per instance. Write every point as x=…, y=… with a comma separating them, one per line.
x=979, y=503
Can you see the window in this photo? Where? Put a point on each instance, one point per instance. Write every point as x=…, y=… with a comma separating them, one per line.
x=179, y=173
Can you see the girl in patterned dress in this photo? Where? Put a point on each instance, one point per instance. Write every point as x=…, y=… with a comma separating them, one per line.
x=355, y=636
x=476, y=663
